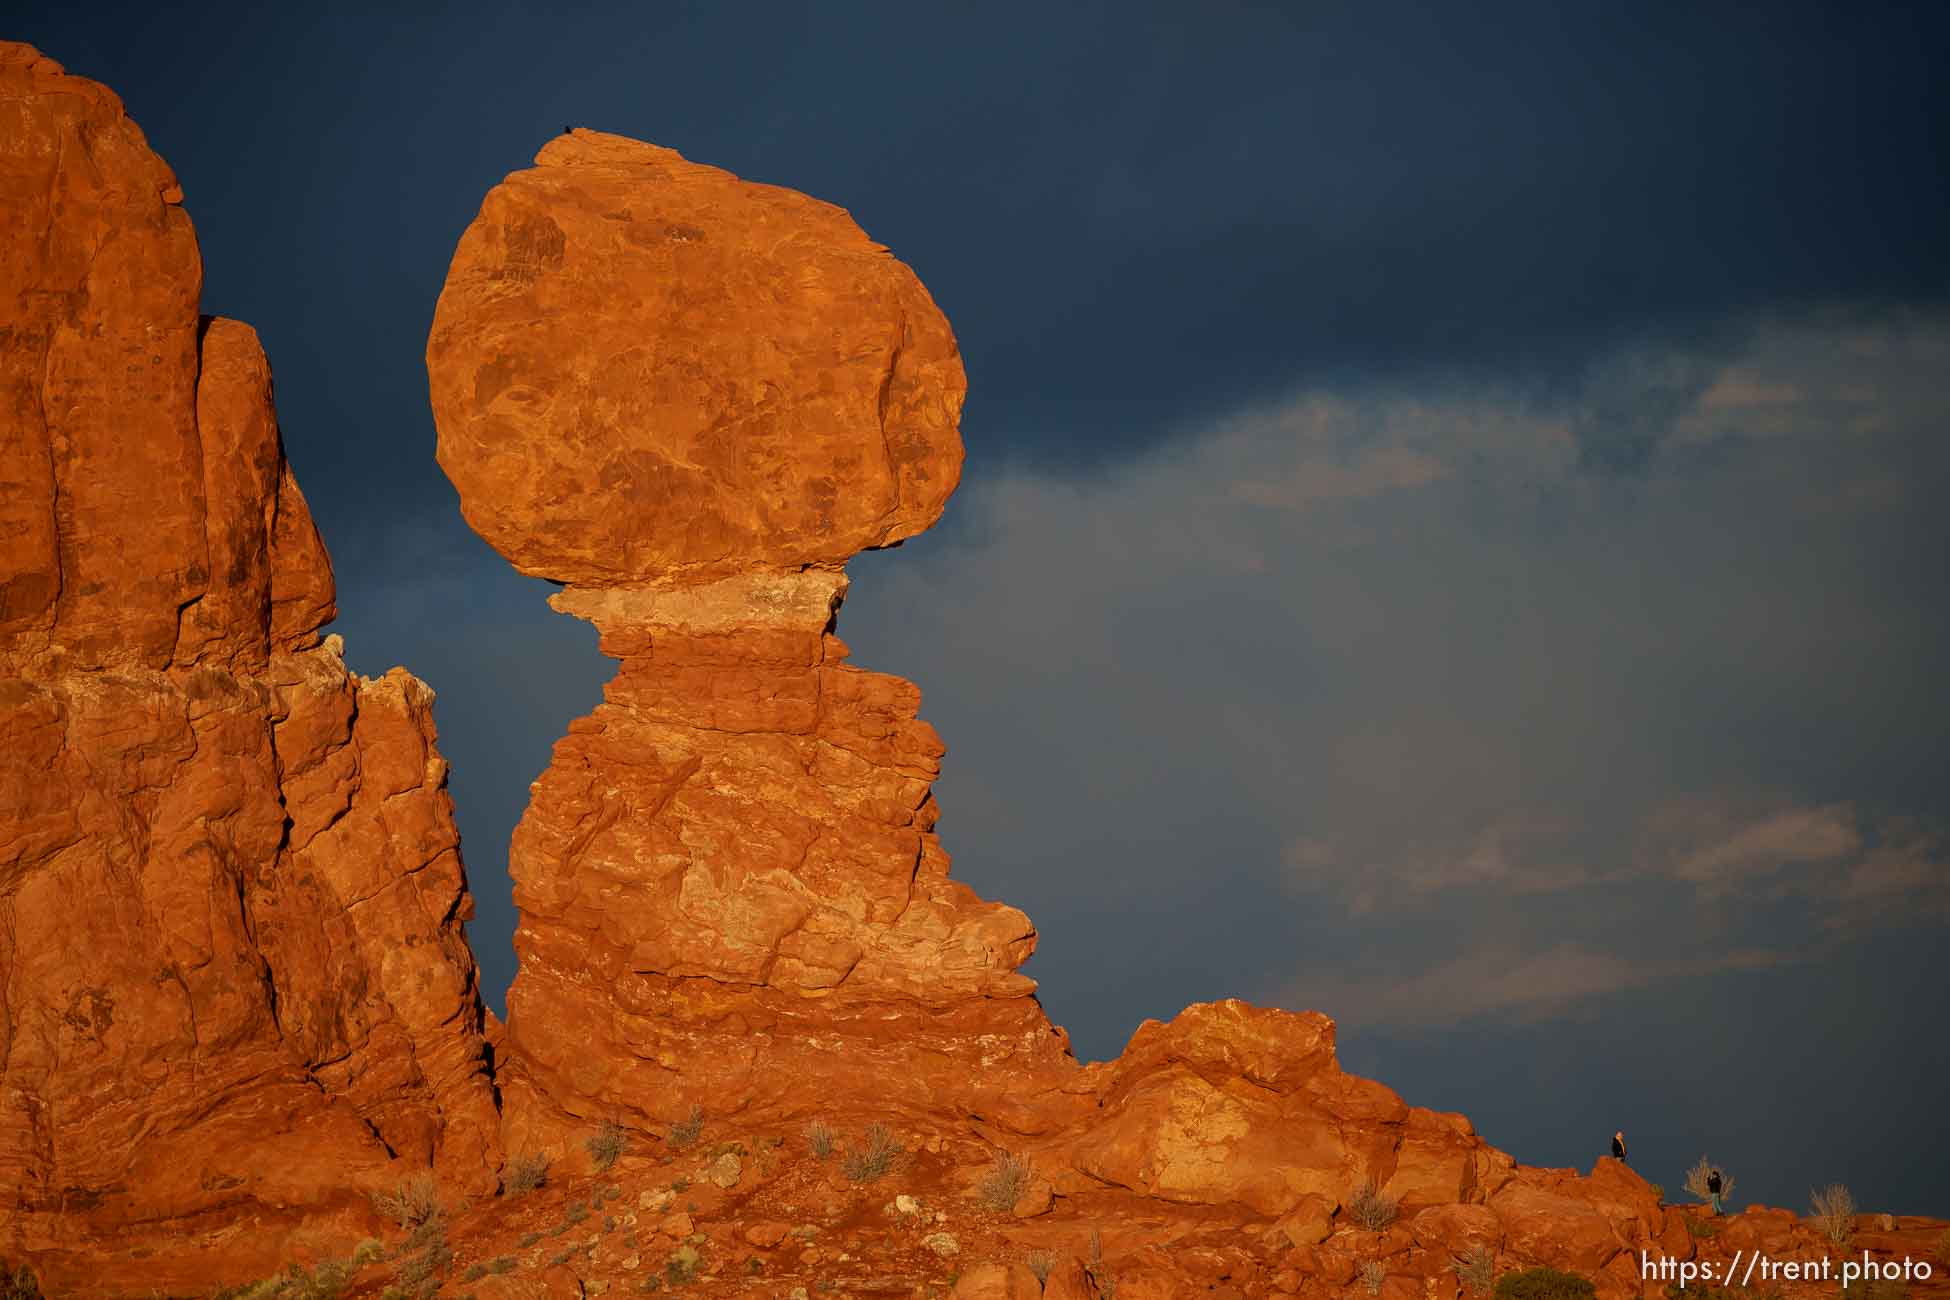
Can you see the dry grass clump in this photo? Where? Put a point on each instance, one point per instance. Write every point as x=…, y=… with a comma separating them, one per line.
x=1042, y=1263
x=1373, y=1273
x=1696, y=1180
x=606, y=1144
x=821, y=1139
x=686, y=1131
x=1476, y=1269
x=18, y=1283
x=416, y=1200
x=1005, y=1184
x=1371, y=1208
x=1094, y=1269
x=425, y=1256
x=1833, y=1211
x=527, y=1172
x=871, y=1161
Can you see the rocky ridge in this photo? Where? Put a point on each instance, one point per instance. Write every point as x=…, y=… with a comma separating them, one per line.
x=231, y=895
x=235, y=997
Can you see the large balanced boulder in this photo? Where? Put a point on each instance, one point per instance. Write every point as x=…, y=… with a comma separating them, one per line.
x=690, y=399
x=646, y=369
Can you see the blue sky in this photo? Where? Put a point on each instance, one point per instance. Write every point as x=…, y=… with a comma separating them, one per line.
x=1451, y=534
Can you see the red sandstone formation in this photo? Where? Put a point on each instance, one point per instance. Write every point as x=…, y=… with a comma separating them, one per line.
x=234, y=995
x=233, y=985
x=692, y=399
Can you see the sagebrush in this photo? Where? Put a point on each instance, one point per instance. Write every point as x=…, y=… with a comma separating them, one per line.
x=1007, y=1180
x=412, y=1203
x=874, y=1157
x=527, y=1172
x=1372, y=1208
x=1476, y=1269
x=1696, y=1180
x=1832, y=1209
x=606, y=1144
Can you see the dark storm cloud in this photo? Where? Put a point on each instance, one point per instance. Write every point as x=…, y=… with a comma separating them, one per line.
x=1377, y=701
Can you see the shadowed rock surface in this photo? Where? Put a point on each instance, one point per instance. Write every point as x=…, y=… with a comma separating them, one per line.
x=235, y=998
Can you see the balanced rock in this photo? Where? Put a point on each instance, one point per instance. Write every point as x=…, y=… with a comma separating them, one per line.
x=236, y=986
x=691, y=399
x=643, y=369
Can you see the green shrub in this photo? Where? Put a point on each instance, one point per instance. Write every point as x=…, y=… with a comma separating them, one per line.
x=1544, y=1284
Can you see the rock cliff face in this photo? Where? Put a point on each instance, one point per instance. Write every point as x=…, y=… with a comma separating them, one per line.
x=691, y=399
x=233, y=986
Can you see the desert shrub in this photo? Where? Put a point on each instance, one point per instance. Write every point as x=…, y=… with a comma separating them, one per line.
x=871, y=1160
x=609, y=1223
x=1702, y=1227
x=1476, y=1269
x=425, y=1257
x=606, y=1144
x=1007, y=1180
x=474, y=1273
x=820, y=1139
x=612, y=1192
x=685, y=1132
x=1042, y=1263
x=576, y=1213
x=681, y=1268
x=368, y=1251
x=527, y=1172
x=1544, y=1284
x=1696, y=1180
x=1094, y=1269
x=1373, y=1274
x=412, y=1203
x=18, y=1283
x=1832, y=1209
x=1372, y=1208
x=529, y=1240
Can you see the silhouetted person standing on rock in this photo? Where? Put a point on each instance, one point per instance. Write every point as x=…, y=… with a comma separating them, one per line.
x=1713, y=1190
x=1618, y=1145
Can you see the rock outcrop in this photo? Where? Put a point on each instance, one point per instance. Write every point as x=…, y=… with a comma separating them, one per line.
x=691, y=399
x=233, y=984
x=235, y=997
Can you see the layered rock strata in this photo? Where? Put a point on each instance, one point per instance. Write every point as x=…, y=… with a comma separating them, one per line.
x=234, y=989
x=690, y=399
